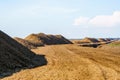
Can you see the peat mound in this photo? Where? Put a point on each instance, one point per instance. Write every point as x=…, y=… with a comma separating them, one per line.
x=47, y=39
x=28, y=44
x=86, y=40
x=15, y=57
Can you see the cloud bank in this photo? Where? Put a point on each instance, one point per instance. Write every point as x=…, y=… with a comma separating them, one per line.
x=99, y=20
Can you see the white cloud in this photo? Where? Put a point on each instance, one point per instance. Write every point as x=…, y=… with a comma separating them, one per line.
x=81, y=21
x=100, y=20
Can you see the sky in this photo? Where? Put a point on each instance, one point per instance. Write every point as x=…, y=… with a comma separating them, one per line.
x=70, y=18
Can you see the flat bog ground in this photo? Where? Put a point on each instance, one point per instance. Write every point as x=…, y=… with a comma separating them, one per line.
x=72, y=62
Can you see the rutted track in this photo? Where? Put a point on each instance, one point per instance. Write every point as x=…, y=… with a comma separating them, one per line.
x=71, y=62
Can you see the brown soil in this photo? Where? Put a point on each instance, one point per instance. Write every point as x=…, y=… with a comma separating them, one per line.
x=47, y=39
x=14, y=56
x=102, y=40
x=65, y=62
x=28, y=44
x=71, y=62
x=86, y=40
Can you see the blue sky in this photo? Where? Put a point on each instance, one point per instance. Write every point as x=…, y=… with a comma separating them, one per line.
x=71, y=18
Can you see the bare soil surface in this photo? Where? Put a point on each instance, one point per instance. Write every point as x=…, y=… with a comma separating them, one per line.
x=72, y=62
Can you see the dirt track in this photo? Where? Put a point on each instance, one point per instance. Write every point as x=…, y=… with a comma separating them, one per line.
x=71, y=62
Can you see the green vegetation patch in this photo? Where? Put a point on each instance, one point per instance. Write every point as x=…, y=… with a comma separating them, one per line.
x=115, y=43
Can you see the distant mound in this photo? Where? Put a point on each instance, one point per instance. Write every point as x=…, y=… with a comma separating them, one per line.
x=86, y=40
x=90, y=40
x=14, y=56
x=47, y=39
x=102, y=40
x=28, y=44
x=108, y=39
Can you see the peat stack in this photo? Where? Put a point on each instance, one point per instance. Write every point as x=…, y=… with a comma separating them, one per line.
x=85, y=40
x=47, y=39
x=14, y=56
x=102, y=40
x=90, y=40
x=28, y=44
